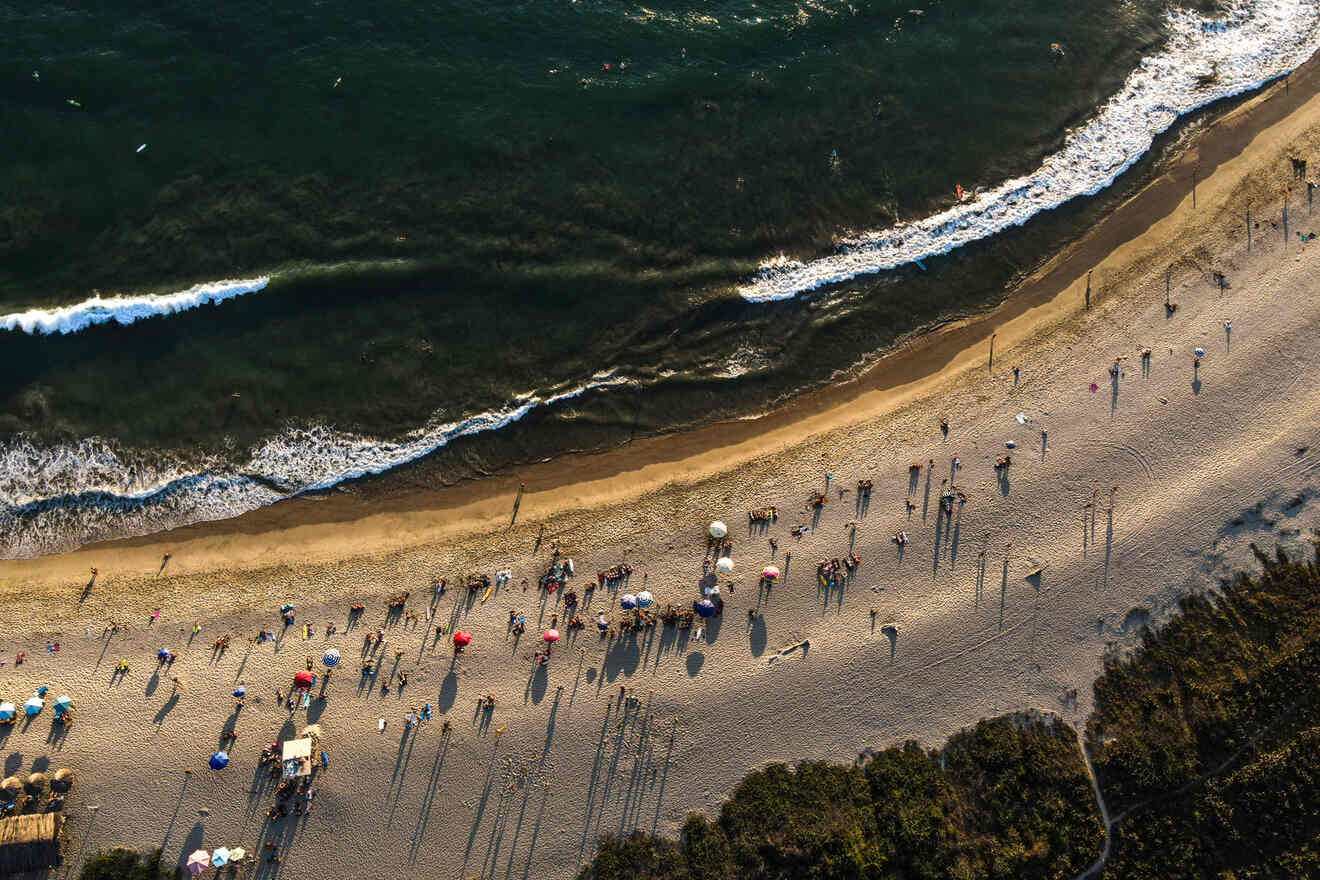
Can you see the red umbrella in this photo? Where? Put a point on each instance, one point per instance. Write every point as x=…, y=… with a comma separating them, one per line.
x=551, y=635
x=302, y=679
x=461, y=639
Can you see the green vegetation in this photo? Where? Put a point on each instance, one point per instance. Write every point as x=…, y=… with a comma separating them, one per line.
x=121, y=863
x=1008, y=798
x=1205, y=742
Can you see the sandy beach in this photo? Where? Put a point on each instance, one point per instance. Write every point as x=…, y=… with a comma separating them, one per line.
x=1117, y=501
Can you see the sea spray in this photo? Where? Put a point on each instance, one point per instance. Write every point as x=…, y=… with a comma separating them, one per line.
x=126, y=309
x=1205, y=60
x=54, y=499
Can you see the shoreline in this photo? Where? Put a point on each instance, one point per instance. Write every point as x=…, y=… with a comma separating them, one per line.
x=309, y=528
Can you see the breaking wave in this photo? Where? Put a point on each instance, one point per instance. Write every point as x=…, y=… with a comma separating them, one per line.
x=125, y=309
x=54, y=499
x=1205, y=60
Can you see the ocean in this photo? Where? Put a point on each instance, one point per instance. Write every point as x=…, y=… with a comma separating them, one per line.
x=248, y=253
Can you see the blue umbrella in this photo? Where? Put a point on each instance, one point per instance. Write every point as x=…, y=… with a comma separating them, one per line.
x=330, y=658
x=33, y=706
x=219, y=761
x=628, y=600
x=163, y=654
x=644, y=599
x=240, y=691
x=705, y=607
x=64, y=701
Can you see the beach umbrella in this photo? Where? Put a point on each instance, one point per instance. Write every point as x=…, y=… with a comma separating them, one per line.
x=462, y=639
x=219, y=761
x=628, y=600
x=644, y=599
x=724, y=565
x=62, y=702
x=705, y=607
x=7, y=710
x=770, y=573
x=1094, y=387
x=62, y=780
x=198, y=862
x=33, y=705
x=302, y=679
x=237, y=854
x=163, y=654
x=330, y=658
x=601, y=623
x=713, y=591
x=240, y=692
x=550, y=635
x=35, y=783
x=220, y=857
x=718, y=529
x=1200, y=352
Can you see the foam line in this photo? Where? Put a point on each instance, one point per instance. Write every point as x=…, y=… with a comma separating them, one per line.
x=125, y=309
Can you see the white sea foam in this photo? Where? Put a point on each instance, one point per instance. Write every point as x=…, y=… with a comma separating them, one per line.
x=125, y=309
x=56, y=498
x=1205, y=59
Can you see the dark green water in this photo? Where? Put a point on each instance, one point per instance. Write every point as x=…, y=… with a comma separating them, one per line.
x=479, y=209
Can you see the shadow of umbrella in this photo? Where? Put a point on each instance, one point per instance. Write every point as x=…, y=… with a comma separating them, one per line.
x=695, y=660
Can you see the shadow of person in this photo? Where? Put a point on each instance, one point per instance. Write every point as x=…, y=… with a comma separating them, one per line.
x=315, y=709
x=153, y=682
x=165, y=710
x=756, y=638
x=448, y=692
x=694, y=662
x=191, y=844
x=891, y=633
x=540, y=680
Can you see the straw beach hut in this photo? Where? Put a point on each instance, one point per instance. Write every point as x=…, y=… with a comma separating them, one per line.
x=29, y=843
x=62, y=780
x=36, y=783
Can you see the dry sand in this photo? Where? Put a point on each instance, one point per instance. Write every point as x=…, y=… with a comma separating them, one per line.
x=1192, y=453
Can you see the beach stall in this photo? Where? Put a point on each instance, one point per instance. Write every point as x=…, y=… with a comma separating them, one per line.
x=30, y=843
x=296, y=758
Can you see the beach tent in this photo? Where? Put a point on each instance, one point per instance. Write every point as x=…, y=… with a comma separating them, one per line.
x=219, y=761
x=219, y=857
x=7, y=710
x=705, y=607
x=330, y=658
x=33, y=706
x=551, y=635
x=462, y=639
x=62, y=702
x=724, y=565
x=628, y=600
x=644, y=599
x=296, y=757
x=198, y=862
x=302, y=679
x=240, y=692
x=718, y=529
x=770, y=573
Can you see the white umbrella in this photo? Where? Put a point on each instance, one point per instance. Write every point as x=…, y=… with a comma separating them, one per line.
x=1200, y=352
x=644, y=598
x=220, y=857
x=330, y=658
x=718, y=529
x=724, y=565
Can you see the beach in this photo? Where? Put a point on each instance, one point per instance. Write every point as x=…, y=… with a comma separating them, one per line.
x=1132, y=481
